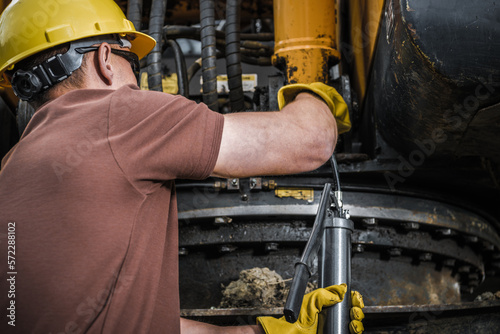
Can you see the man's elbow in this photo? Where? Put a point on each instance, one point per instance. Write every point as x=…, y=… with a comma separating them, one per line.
x=323, y=148
x=326, y=153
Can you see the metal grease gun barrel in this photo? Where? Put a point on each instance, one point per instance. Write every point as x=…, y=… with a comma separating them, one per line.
x=303, y=268
x=335, y=268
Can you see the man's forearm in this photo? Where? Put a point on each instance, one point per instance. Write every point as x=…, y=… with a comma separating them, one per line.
x=195, y=327
x=299, y=138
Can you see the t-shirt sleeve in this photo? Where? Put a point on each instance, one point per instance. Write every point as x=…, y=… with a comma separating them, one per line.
x=156, y=137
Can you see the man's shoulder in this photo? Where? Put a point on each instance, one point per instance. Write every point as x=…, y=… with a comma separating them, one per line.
x=132, y=97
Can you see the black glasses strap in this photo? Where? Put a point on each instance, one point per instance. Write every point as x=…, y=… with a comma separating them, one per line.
x=27, y=84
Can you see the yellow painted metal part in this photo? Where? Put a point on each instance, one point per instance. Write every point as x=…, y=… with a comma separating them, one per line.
x=305, y=39
x=364, y=25
x=169, y=83
x=303, y=194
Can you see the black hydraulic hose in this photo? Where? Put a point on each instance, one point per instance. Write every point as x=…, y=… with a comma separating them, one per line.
x=180, y=68
x=261, y=61
x=173, y=31
x=208, y=53
x=134, y=13
x=263, y=36
x=156, y=20
x=233, y=55
x=191, y=71
x=335, y=169
x=250, y=41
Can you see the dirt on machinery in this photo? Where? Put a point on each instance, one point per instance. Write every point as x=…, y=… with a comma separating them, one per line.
x=488, y=296
x=257, y=287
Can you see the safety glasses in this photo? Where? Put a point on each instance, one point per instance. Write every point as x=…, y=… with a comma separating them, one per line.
x=131, y=57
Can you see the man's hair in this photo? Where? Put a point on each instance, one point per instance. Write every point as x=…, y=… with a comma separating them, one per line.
x=75, y=80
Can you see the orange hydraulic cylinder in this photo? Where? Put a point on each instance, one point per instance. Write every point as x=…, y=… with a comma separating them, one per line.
x=305, y=39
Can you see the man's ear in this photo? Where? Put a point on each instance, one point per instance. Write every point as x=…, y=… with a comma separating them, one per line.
x=104, y=67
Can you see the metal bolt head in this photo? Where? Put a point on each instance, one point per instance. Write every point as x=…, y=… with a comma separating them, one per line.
x=425, y=257
x=395, y=252
x=271, y=246
x=256, y=183
x=222, y=220
x=410, y=226
x=445, y=232
x=471, y=239
x=369, y=221
x=224, y=249
x=358, y=248
x=233, y=184
x=244, y=197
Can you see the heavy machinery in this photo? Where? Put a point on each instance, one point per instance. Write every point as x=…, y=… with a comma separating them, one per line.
x=420, y=168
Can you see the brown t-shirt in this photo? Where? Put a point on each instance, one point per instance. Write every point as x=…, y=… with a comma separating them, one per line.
x=89, y=188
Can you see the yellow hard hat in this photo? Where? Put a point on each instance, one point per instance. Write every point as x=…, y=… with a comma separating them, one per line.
x=31, y=26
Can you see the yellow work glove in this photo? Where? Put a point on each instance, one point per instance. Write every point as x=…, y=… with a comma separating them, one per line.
x=357, y=315
x=331, y=97
x=312, y=304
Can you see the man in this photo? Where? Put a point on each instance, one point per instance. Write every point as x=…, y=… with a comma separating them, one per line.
x=87, y=196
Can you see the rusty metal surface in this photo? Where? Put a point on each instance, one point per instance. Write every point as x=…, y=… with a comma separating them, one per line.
x=305, y=39
x=425, y=89
x=382, y=280
x=391, y=209
x=231, y=312
x=276, y=311
x=460, y=318
x=406, y=249
x=481, y=136
x=295, y=233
